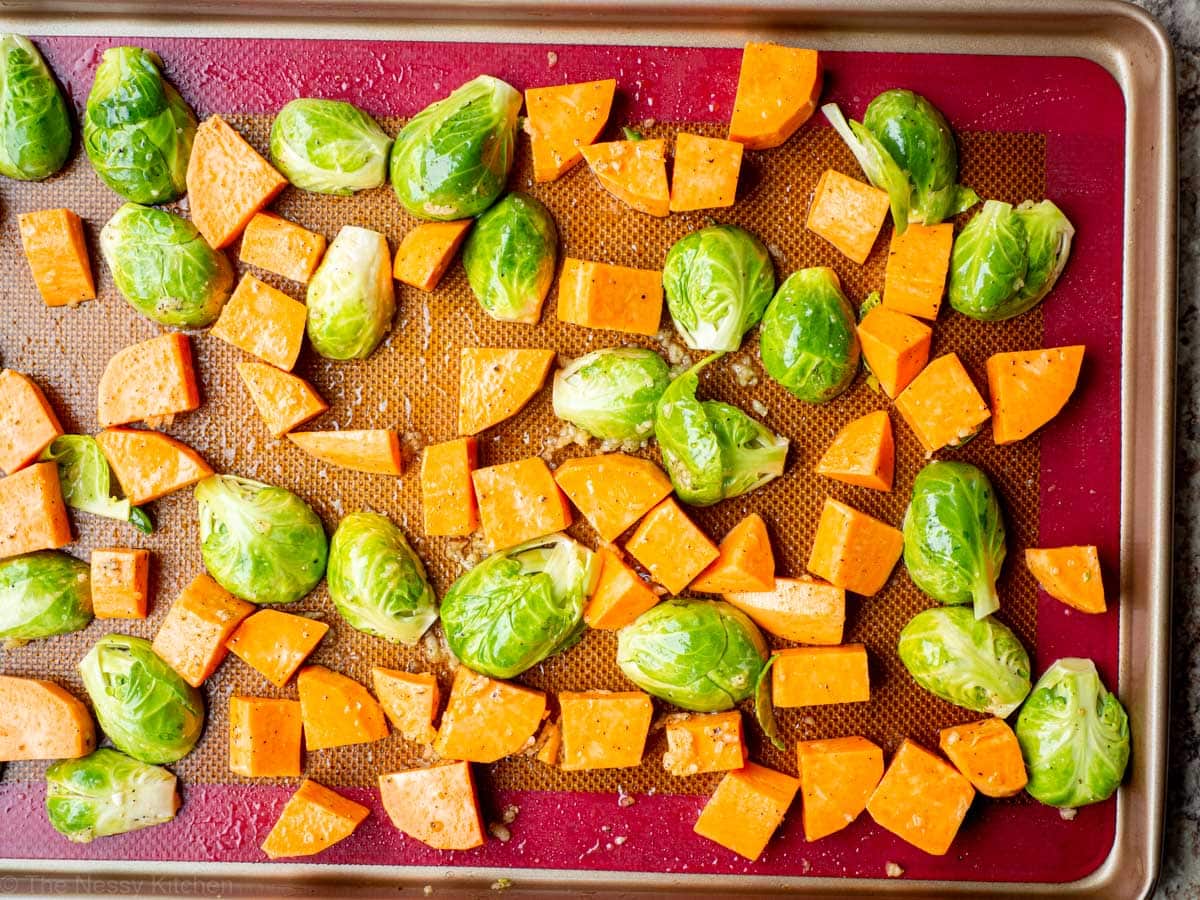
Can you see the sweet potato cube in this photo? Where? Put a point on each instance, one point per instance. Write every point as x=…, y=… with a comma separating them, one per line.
x=1070, y=575
x=634, y=172
x=285, y=248
x=42, y=720
x=941, y=405
x=32, y=513
x=747, y=808
x=863, y=453
x=853, y=550
x=375, y=451
x=410, y=701
x=27, y=421
x=710, y=742
x=284, y=401
x=563, y=118
x=796, y=609
x=192, y=637
x=425, y=252
x=671, y=547
x=745, y=563
x=314, y=819
x=1029, y=388
x=706, y=172
x=494, y=384
x=486, y=719
x=264, y=737
x=818, y=676
x=777, y=91
x=848, y=213
x=837, y=777
x=551, y=744
x=619, y=597
x=895, y=347
x=917, y=263
x=263, y=321
x=617, y=298
x=602, y=729
x=519, y=501
x=988, y=755
x=148, y=382
x=58, y=257
x=437, y=806
x=120, y=583
x=921, y=799
x=337, y=711
x=447, y=493
x=149, y=465
x=613, y=490
x=227, y=181
x=275, y=643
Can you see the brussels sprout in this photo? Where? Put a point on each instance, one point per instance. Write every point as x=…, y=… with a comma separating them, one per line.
x=1048, y=235
x=35, y=129
x=329, y=147
x=377, y=582
x=164, y=268
x=350, y=297
x=519, y=606
x=954, y=536
x=509, y=258
x=107, y=792
x=86, y=480
x=137, y=130
x=808, y=339
x=611, y=394
x=989, y=263
x=712, y=450
x=43, y=594
x=978, y=664
x=261, y=543
x=701, y=655
x=452, y=159
x=143, y=706
x=719, y=281
x=871, y=301
x=1074, y=736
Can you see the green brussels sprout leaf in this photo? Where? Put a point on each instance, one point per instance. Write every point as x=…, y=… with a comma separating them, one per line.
x=509, y=258
x=329, y=147
x=35, y=128
x=86, y=480
x=612, y=394
x=751, y=453
x=351, y=298
x=43, y=594
x=872, y=300
x=140, y=519
x=764, y=706
x=632, y=134
x=1048, y=236
x=106, y=793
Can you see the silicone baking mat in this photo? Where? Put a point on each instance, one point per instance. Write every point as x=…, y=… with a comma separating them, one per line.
x=1042, y=128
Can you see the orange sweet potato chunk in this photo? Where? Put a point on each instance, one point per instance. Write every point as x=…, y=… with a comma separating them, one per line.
x=746, y=561
x=863, y=453
x=410, y=701
x=1070, y=575
x=41, y=720
x=917, y=263
x=192, y=638
x=778, y=89
x=706, y=172
x=602, y=729
x=895, y=347
x=437, y=806
x=275, y=643
x=27, y=421
x=711, y=742
x=425, y=252
x=314, y=819
x=634, y=172
x=550, y=739
x=148, y=382
x=853, y=550
x=921, y=799
x=228, y=182
x=448, y=502
x=375, y=451
x=32, y=513
x=671, y=547
x=988, y=755
x=613, y=490
x=58, y=257
x=263, y=321
x=837, y=777
x=149, y=465
x=284, y=401
x=619, y=597
x=337, y=711
x=486, y=719
x=747, y=808
x=285, y=248
x=563, y=118
x=818, y=676
x=617, y=298
x=264, y=737
x=942, y=405
x=1029, y=388
x=848, y=213
x=796, y=609
x=120, y=583
x=519, y=501
x=494, y=384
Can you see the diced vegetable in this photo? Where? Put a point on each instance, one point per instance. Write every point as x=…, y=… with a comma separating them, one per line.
x=705, y=175
x=284, y=401
x=847, y=213
x=43, y=594
x=777, y=91
x=611, y=393
x=603, y=730
x=616, y=298
x=41, y=720
x=509, y=258
x=148, y=382
x=375, y=451
x=746, y=809
x=32, y=510
x=816, y=676
x=709, y=742
x=27, y=421
x=314, y=819
x=620, y=595
x=35, y=140
x=437, y=806
x=351, y=298
x=921, y=799
x=494, y=384
x=837, y=778
x=120, y=583
x=86, y=480
x=895, y=347
x=612, y=490
x=635, y=172
x=1069, y=574
x=746, y=562
x=917, y=263
x=337, y=711
x=149, y=465
x=942, y=406
x=329, y=147
x=863, y=453
x=519, y=502
x=1029, y=388
x=285, y=248
x=988, y=755
x=191, y=639
x=448, y=502
x=106, y=793
x=795, y=609
x=671, y=547
x=264, y=322
x=425, y=252
x=410, y=701
x=853, y=550
x=276, y=643
x=57, y=254
x=486, y=720
x=550, y=739
x=563, y=118
x=264, y=737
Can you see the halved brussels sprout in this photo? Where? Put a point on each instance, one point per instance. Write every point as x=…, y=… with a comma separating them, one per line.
x=164, y=268
x=509, y=258
x=143, y=706
x=713, y=451
x=718, y=282
x=86, y=480
x=808, y=339
x=989, y=263
x=702, y=655
x=1074, y=736
x=377, y=581
x=519, y=606
x=35, y=128
x=1048, y=235
x=452, y=159
x=611, y=394
x=954, y=536
x=978, y=664
x=43, y=594
x=350, y=297
x=137, y=130
x=329, y=147
x=261, y=543
x=107, y=792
